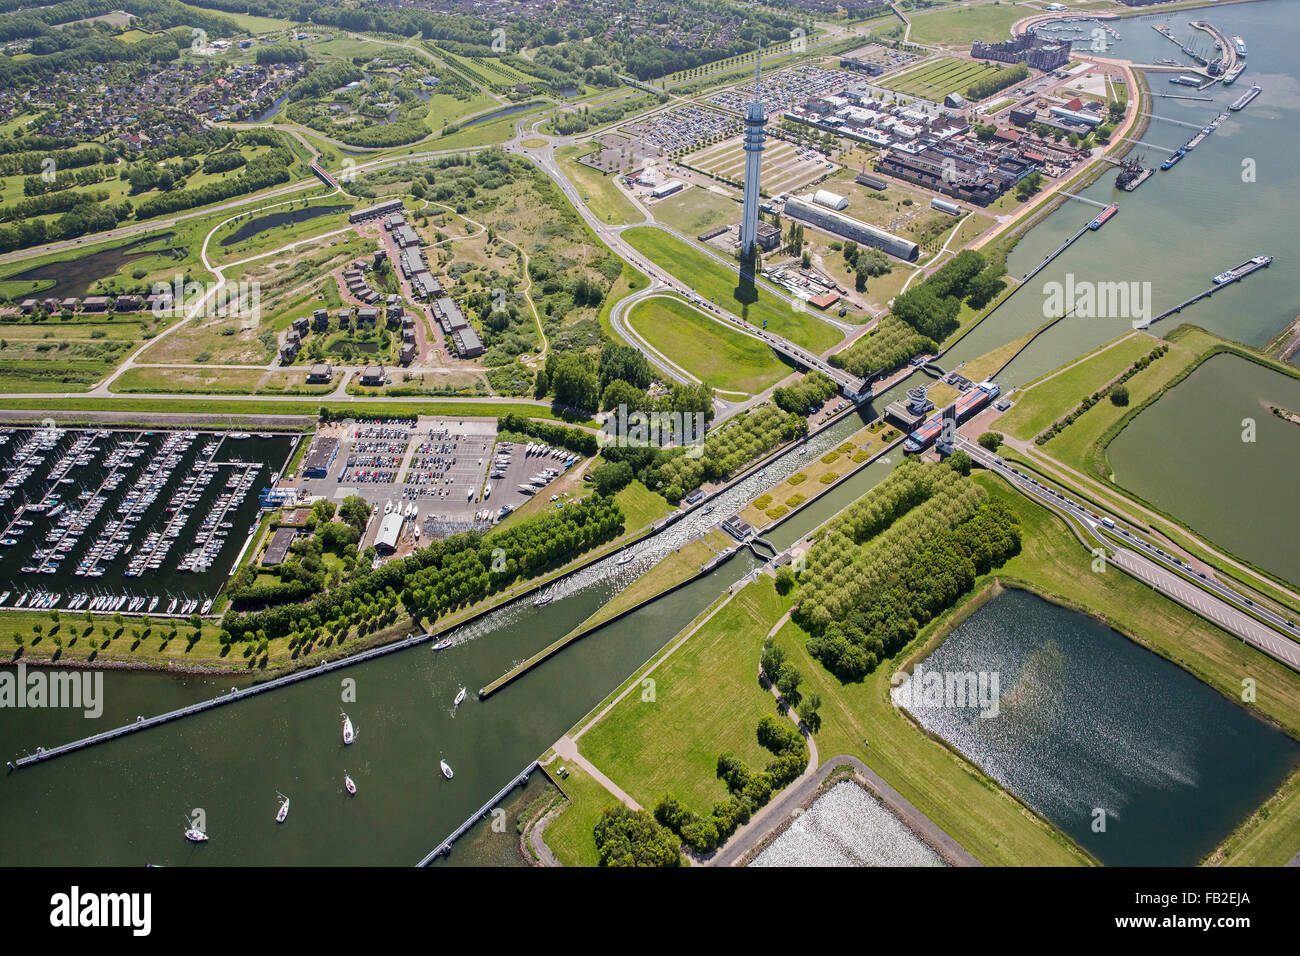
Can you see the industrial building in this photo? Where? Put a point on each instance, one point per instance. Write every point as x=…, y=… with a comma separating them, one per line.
x=976, y=174
x=277, y=549
x=849, y=228
x=320, y=456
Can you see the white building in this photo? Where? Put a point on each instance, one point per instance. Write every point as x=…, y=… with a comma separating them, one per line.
x=667, y=189
x=390, y=529
x=829, y=199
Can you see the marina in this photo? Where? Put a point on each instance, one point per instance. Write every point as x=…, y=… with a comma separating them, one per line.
x=102, y=521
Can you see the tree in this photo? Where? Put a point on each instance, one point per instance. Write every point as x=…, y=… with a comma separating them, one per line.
x=788, y=681
x=808, y=711
x=784, y=580
x=959, y=462
x=627, y=837
x=1119, y=395
x=991, y=440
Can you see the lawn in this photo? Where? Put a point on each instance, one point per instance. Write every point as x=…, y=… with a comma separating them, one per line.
x=725, y=358
x=569, y=834
x=719, y=284
x=681, y=565
x=197, y=379
x=1043, y=402
x=707, y=700
x=696, y=210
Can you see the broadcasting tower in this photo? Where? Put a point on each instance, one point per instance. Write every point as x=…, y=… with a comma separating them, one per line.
x=755, y=120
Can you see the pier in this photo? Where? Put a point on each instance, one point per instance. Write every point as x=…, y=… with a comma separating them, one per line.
x=1240, y=272
x=1167, y=119
x=445, y=846
x=1050, y=257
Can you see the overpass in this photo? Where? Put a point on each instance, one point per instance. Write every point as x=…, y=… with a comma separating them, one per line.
x=1258, y=625
x=852, y=386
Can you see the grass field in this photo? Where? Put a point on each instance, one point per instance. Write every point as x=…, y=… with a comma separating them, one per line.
x=1079, y=445
x=958, y=26
x=196, y=378
x=710, y=351
x=707, y=700
x=569, y=833
x=719, y=284
x=935, y=79
x=1042, y=403
x=606, y=197
x=695, y=210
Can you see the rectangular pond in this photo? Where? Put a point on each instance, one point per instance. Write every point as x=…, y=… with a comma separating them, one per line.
x=1092, y=730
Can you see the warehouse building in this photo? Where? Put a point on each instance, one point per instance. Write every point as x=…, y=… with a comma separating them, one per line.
x=848, y=228
x=320, y=456
x=830, y=200
x=375, y=212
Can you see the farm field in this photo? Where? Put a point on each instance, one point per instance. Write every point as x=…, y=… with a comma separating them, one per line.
x=935, y=79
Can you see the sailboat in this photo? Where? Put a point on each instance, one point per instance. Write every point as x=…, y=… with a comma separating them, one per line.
x=446, y=769
x=460, y=698
x=347, y=782
x=194, y=834
x=284, y=808
x=627, y=558
x=349, y=734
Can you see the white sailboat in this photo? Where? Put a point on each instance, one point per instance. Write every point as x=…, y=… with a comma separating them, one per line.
x=349, y=734
x=446, y=769
x=460, y=698
x=284, y=808
x=349, y=785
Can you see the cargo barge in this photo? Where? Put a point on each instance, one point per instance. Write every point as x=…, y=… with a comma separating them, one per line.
x=1232, y=74
x=1242, y=101
x=1101, y=220
x=967, y=405
x=1173, y=160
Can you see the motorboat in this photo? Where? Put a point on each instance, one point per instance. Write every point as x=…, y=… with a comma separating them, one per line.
x=544, y=600
x=627, y=558
x=460, y=698
x=443, y=644
x=195, y=835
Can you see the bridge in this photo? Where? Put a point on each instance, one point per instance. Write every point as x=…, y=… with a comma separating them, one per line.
x=852, y=386
x=1167, y=119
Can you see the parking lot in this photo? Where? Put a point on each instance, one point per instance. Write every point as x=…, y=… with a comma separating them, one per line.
x=445, y=476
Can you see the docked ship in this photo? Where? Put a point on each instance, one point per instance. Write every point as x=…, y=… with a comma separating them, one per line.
x=1245, y=98
x=1240, y=44
x=967, y=405
x=1173, y=160
x=1132, y=175
x=1101, y=220
x=1231, y=76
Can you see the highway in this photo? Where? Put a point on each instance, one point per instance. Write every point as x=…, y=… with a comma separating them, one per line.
x=1207, y=597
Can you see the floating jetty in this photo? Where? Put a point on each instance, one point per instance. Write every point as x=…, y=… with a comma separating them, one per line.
x=1221, y=281
x=445, y=846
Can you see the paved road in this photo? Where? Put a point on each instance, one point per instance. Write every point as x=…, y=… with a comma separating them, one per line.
x=1209, y=597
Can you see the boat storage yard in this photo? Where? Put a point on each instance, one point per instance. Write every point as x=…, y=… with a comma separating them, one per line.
x=128, y=521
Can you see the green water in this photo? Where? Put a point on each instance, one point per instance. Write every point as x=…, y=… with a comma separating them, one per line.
x=1186, y=454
